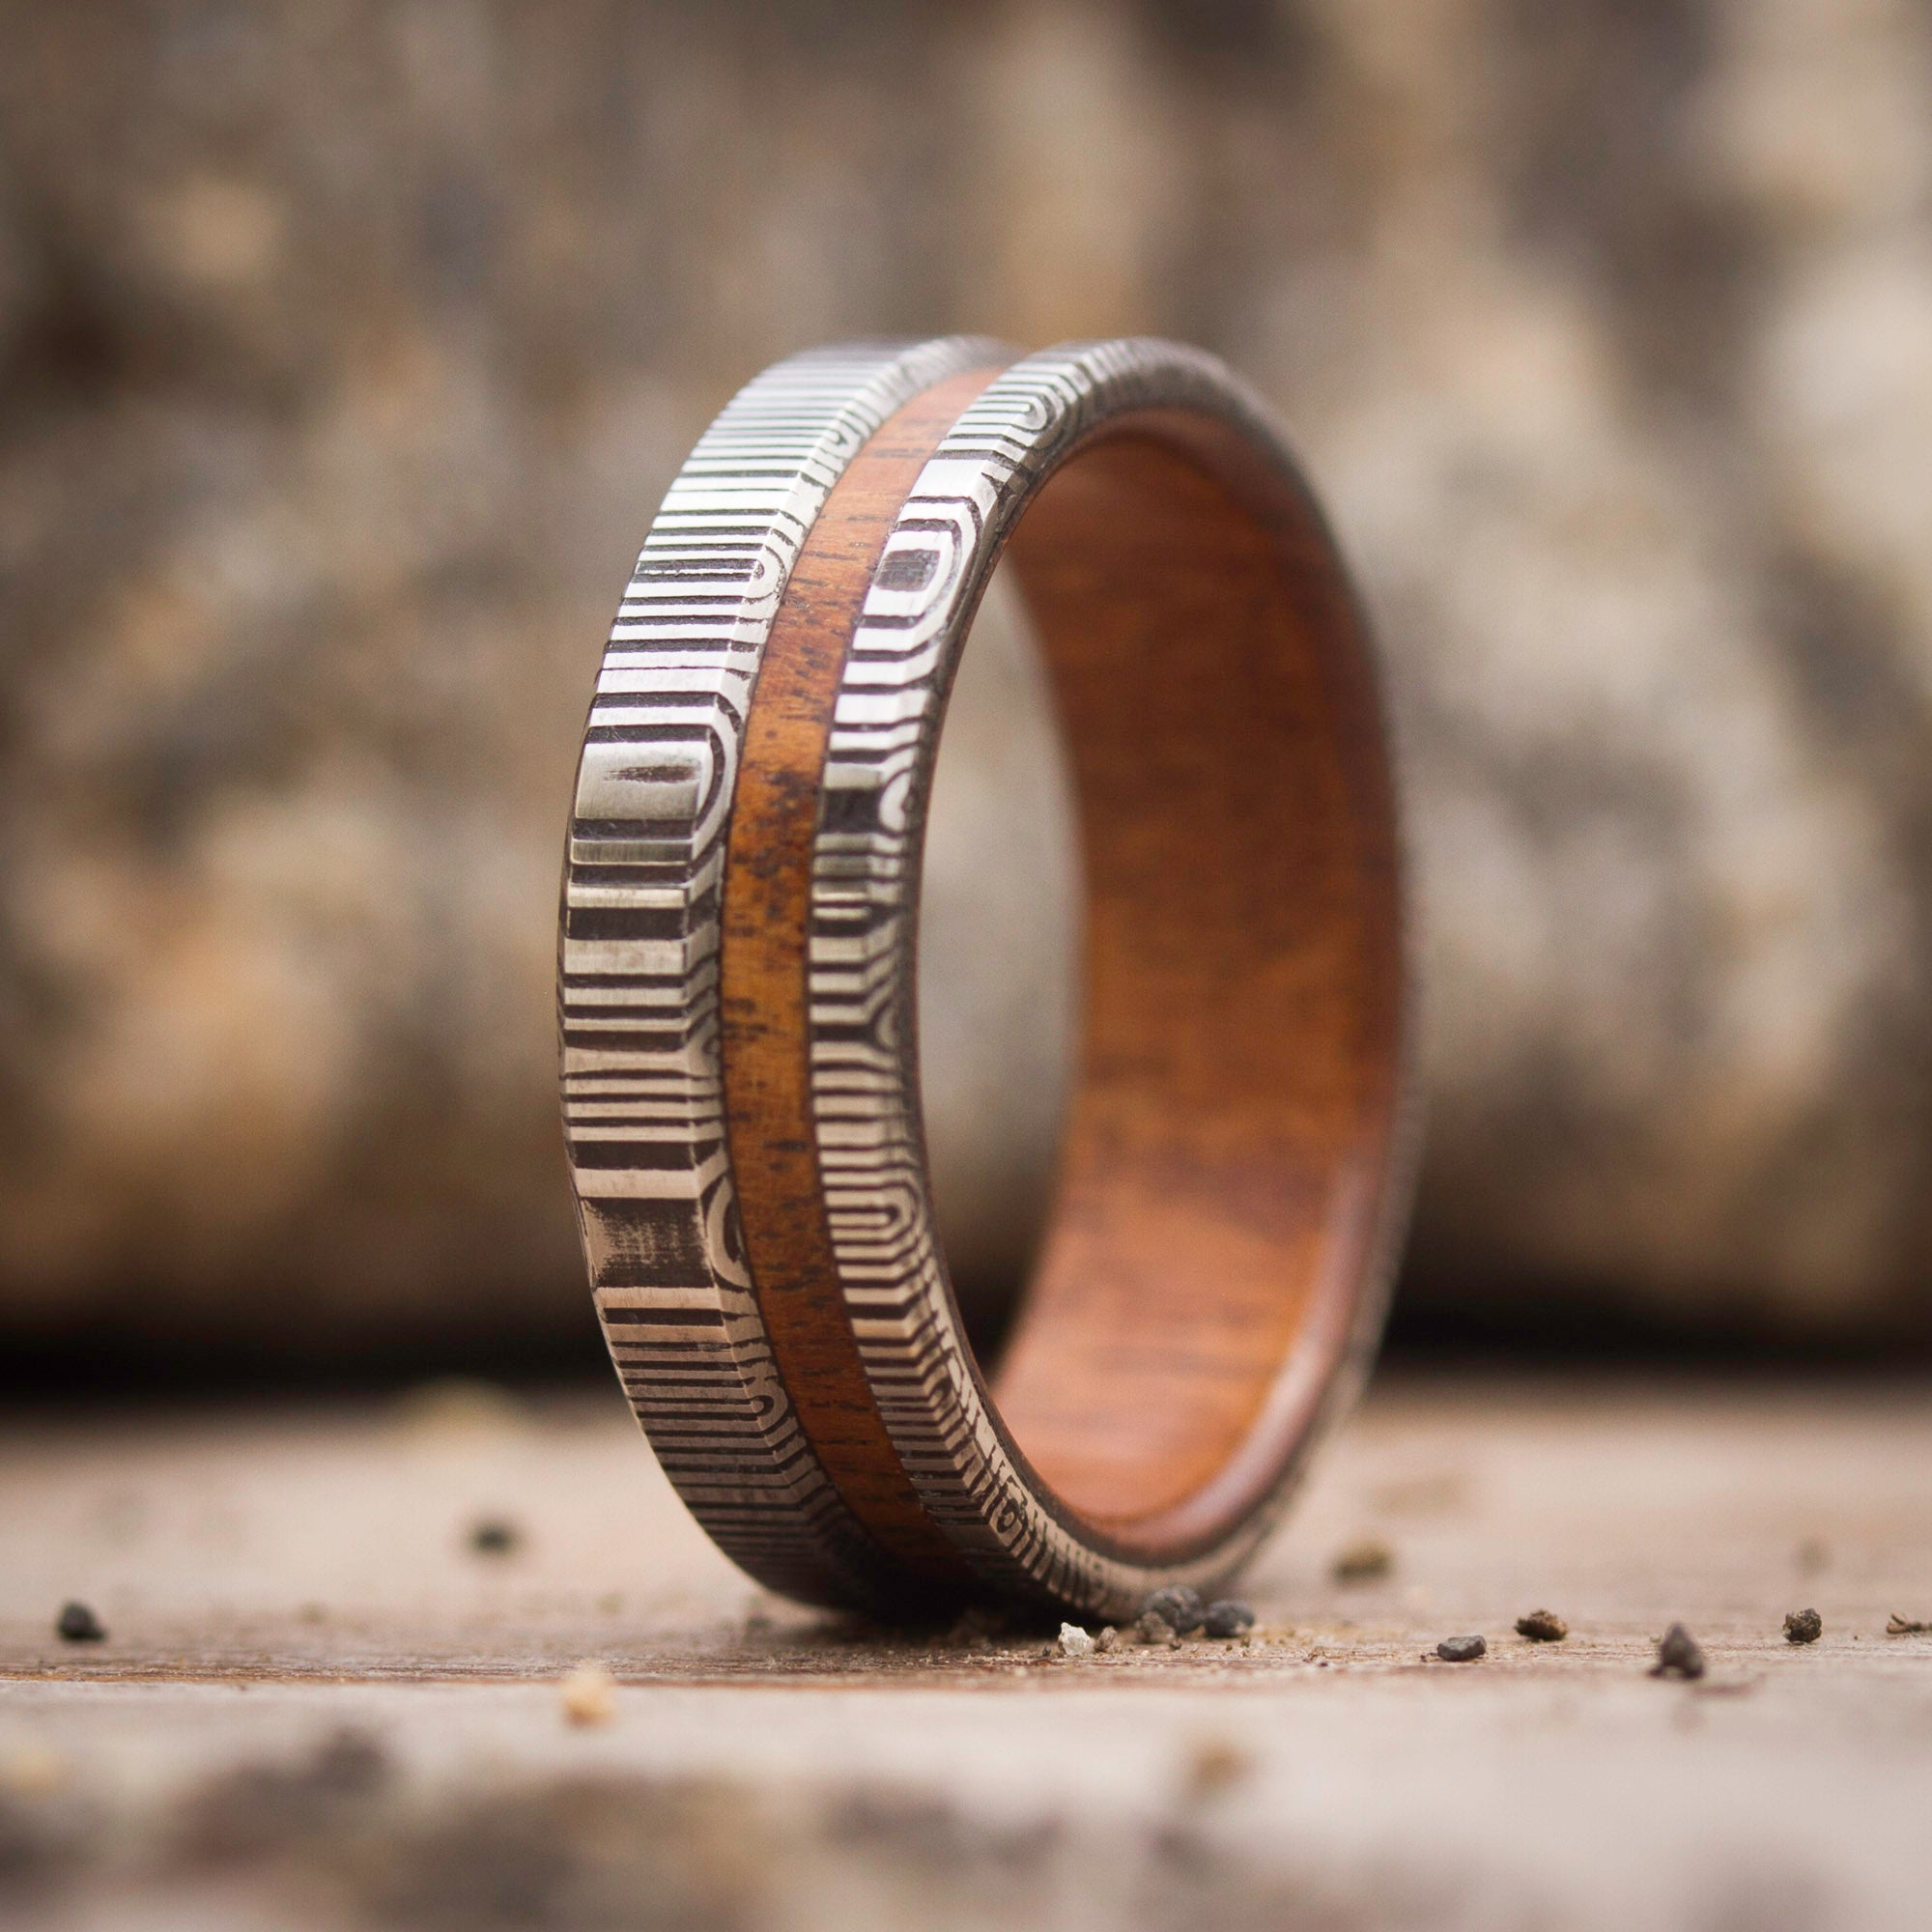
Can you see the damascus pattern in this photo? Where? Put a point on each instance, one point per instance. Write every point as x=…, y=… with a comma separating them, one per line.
x=864, y=1092
x=638, y=967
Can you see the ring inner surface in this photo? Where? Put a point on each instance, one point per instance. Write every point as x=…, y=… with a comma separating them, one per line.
x=1224, y=1160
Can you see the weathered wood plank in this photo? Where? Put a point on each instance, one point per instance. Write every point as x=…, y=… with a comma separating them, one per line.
x=269, y=1578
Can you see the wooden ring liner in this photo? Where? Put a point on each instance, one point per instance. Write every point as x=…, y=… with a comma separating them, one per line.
x=738, y=979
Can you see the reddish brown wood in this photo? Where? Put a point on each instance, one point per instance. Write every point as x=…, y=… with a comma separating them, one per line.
x=1224, y=1167
x=1227, y=1144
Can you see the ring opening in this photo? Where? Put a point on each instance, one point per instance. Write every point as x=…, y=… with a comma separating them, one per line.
x=998, y=964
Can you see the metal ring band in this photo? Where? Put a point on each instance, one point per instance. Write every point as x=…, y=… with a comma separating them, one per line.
x=737, y=989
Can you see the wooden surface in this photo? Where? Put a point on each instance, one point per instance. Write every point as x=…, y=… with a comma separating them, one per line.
x=318, y=1705
x=1225, y=1180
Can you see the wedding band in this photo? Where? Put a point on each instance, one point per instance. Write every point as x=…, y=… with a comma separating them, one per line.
x=737, y=986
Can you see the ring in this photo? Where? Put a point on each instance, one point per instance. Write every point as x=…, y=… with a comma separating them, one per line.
x=737, y=989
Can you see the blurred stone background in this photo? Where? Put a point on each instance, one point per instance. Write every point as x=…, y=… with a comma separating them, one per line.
x=344, y=353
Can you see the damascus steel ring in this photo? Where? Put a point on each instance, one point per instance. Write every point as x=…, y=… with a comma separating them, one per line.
x=737, y=980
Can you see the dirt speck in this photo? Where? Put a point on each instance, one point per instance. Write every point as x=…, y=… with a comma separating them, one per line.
x=77, y=1624
x=1804, y=1626
x=1366, y=1562
x=493, y=1536
x=1178, y=1605
x=1152, y=1628
x=1229, y=1617
x=1542, y=1626
x=1216, y=1765
x=1678, y=1655
x=589, y=1696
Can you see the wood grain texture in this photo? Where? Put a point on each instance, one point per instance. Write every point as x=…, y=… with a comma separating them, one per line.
x=273, y=1575
x=1243, y=993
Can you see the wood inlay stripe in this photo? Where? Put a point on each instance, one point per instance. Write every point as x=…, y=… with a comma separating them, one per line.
x=764, y=969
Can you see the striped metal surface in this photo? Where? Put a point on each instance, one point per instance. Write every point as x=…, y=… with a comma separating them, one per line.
x=638, y=967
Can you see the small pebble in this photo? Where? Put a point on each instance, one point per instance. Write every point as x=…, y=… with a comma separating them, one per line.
x=589, y=1696
x=1178, y=1606
x=1108, y=1638
x=1542, y=1626
x=77, y=1624
x=1363, y=1563
x=1678, y=1655
x=493, y=1537
x=1461, y=1649
x=1804, y=1626
x=1154, y=1629
x=1074, y=1642
x=1228, y=1617
x=1214, y=1765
